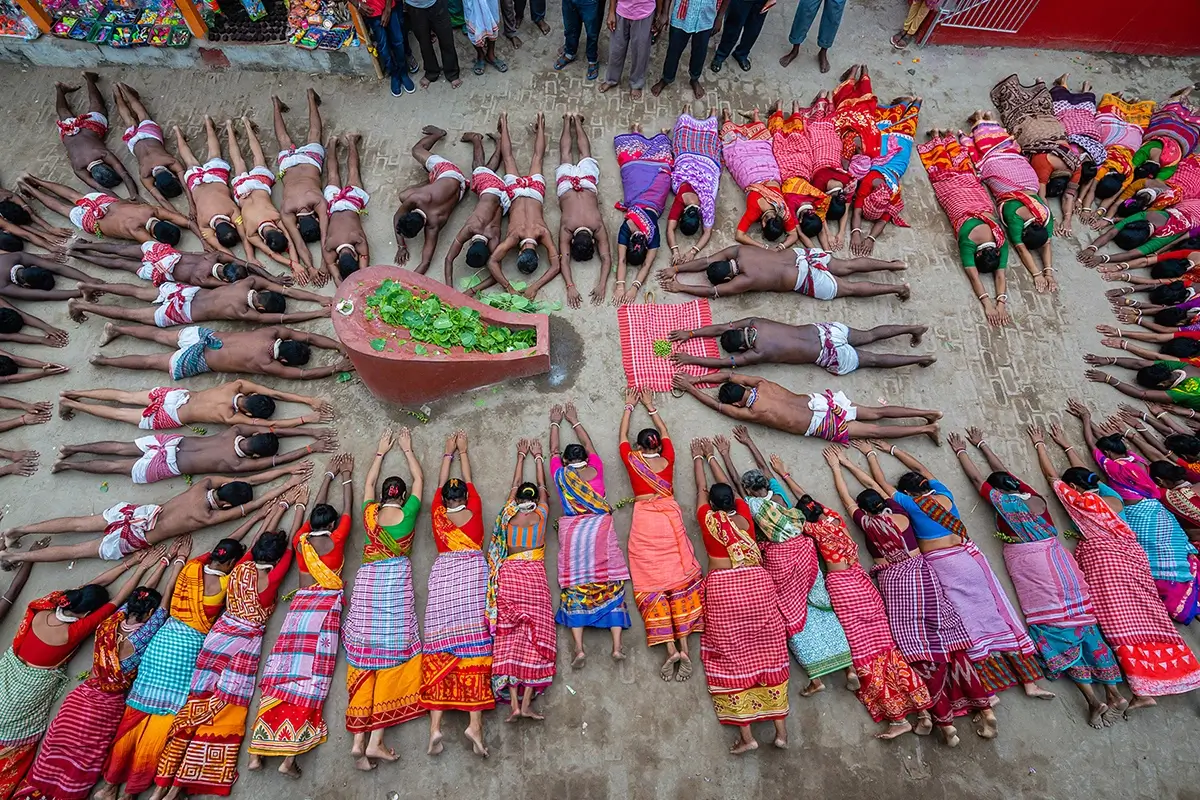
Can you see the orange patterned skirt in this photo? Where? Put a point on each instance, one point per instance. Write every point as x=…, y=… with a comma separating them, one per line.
x=450, y=683
x=381, y=698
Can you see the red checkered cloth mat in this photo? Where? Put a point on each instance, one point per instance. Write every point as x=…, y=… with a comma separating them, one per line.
x=644, y=324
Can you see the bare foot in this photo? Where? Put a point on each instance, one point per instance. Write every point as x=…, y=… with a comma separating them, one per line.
x=1119, y=705
x=1033, y=690
x=73, y=311
x=668, y=668
x=814, y=686
x=435, y=744
x=1140, y=702
x=635, y=94
x=685, y=669
x=433, y=130
x=542, y=26
x=789, y=57
x=457, y=82
x=904, y=293
x=514, y=715
x=618, y=654
x=106, y=792
x=986, y=728
x=823, y=60
x=1097, y=719
x=932, y=417
x=605, y=86
x=781, y=742
x=365, y=764
x=476, y=738
x=358, y=748
x=516, y=42
x=740, y=746
x=529, y=713
x=65, y=411
x=657, y=88
x=579, y=661
x=894, y=729
x=935, y=435
x=853, y=684
x=110, y=334
x=924, y=725
x=256, y=762
x=290, y=770
x=471, y=137
x=927, y=361
x=423, y=83
x=381, y=752
x=698, y=92
x=950, y=735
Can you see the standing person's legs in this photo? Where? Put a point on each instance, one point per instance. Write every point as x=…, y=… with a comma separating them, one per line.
x=699, y=53
x=445, y=34
x=736, y=15
x=572, y=26
x=754, y=25
x=537, y=13
x=618, y=46
x=589, y=12
x=676, y=42
x=639, y=52
x=508, y=12
x=831, y=20
x=422, y=28
x=519, y=9
x=806, y=14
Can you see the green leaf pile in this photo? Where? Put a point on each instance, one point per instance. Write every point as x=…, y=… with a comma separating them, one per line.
x=432, y=321
x=518, y=303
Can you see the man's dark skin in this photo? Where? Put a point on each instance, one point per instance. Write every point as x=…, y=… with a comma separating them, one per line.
x=54, y=337
x=488, y=212
x=303, y=189
x=227, y=302
x=194, y=269
x=786, y=411
x=435, y=201
x=12, y=291
x=198, y=455
x=85, y=147
x=578, y=209
x=186, y=512
x=526, y=223
x=762, y=270
x=125, y=219
x=37, y=230
x=44, y=369
x=345, y=228
x=151, y=154
x=245, y=352
x=210, y=201
x=781, y=343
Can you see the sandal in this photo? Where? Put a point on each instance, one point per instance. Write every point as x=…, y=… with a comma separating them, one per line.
x=500, y=64
x=593, y=71
x=900, y=41
x=480, y=66
x=562, y=62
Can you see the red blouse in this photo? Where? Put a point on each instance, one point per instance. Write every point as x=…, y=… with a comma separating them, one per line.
x=678, y=206
x=449, y=537
x=713, y=546
x=667, y=473
x=36, y=653
x=274, y=577
x=335, y=557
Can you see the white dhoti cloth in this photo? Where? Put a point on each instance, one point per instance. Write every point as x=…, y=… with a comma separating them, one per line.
x=308, y=155
x=531, y=186
x=158, y=262
x=174, y=304
x=259, y=179
x=439, y=168
x=819, y=405
x=581, y=177
x=215, y=170
x=486, y=181
x=346, y=198
x=159, y=460
x=126, y=530
x=146, y=130
x=813, y=277
x=837, y=354
x=162, y=412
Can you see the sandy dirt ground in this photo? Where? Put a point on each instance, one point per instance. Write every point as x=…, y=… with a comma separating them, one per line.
x=617, y=731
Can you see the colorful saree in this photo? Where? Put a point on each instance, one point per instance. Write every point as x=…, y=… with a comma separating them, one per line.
x=383, y=645
x=299, y=670
x=161, y=686
x=815, y=636
x=201, y=752
x=78, y=740
x=591, y=567
x=1155, y=659
x=744, y=644
x=456, y=668
x=1053, y=595
x=662, y=563
x=957, y=186
x=525, y=648
x=1028, y=112
x=889, y=688
x=646, y=166
x=748, y=154
x=697, y=149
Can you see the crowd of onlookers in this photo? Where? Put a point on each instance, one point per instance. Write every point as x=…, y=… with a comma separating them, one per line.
x=634, y=27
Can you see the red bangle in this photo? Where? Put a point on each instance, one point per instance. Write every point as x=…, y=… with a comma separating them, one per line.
x=308, y=448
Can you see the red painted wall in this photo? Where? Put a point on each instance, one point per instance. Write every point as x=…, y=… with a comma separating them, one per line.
x=1165, y=27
